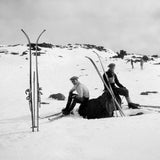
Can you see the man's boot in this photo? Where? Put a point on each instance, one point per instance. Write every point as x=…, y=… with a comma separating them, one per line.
x=133, y=105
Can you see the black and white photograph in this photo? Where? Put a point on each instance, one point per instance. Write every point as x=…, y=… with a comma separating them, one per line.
x=79, y=79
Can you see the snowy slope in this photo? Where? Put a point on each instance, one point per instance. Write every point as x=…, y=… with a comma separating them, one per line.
x=133, y=138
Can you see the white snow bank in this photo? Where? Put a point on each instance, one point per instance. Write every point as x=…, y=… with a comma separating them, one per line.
x=129, y=138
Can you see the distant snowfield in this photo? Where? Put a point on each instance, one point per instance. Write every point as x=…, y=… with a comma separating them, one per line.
x=129, y=138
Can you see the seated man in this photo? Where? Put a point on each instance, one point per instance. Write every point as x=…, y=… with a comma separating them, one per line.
x=81, y=97
x=114, y=82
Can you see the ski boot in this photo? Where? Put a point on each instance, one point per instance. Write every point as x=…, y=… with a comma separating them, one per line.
x=133, y=106
x=65, y=111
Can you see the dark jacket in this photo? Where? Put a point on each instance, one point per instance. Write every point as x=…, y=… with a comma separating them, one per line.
x=115, y=79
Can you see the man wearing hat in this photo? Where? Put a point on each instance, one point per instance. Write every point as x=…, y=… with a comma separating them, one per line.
x=116, y=86
x=82, y=95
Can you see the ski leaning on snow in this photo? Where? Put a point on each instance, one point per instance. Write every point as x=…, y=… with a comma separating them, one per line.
x=57, y=117
x=52, y=115
x=114, y=99
x=150, y=106
x=145, y=107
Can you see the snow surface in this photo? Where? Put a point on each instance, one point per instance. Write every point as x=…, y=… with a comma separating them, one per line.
x=69, y=138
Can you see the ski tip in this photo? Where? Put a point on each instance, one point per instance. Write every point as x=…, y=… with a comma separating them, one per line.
x=87, y=57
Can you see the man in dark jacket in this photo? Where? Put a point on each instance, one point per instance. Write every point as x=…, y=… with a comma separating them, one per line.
x=116, y=86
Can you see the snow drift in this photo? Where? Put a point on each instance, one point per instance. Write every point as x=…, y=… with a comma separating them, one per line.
x=133, y=138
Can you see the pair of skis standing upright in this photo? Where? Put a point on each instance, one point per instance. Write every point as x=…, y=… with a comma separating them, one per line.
x=34, y=91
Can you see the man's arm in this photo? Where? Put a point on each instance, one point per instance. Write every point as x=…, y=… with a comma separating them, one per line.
x=105, y=79
x=72, y=90
x=118, y=83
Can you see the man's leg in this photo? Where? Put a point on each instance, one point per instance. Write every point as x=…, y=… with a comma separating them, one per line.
x=123, y=92
x=69, y=102
x=70, y=98
x=75, y=101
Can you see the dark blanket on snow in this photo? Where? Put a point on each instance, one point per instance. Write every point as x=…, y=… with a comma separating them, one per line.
x=101, y=107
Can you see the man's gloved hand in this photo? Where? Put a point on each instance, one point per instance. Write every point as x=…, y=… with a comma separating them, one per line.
x=65, y=111
x=74, y=96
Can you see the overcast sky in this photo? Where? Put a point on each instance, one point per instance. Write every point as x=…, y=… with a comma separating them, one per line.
x=133, y=25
